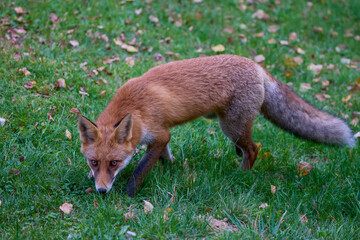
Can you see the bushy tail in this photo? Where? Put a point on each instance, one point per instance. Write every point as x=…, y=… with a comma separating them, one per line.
x=287, y=110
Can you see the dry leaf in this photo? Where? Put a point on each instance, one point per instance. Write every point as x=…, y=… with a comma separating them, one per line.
x=316, y=69
x=28, y=85
x=273, y=189
x=66, y=208
x=346, y=99
x=322, y=96
x=25, y=71
x=60, y=83
x=131, y=49
x=53, y=17
x=88, y=190
x=74, y=43
x=96, y=204
x=259, y=58
x=345, y=61
x=299, y=50
x=148, y=207
x=2, y=121
x=292, y=36
x=102, y=93
x=260, y=14
x=68, y=134
x=68, y=161
x=218, y=48
x=0, y=203
x=305, y=87
x=263, y=205
x=14, y=171
x=74, y=111
x=153, y=19
x=284, y=42
x=229, y=30
x=273, y=28
x=272, y=41
x=304, y=219
x=19, y=10
x=304, y=168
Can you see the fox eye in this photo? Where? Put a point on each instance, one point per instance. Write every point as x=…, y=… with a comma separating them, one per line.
x=94, y=163
x=113, y=163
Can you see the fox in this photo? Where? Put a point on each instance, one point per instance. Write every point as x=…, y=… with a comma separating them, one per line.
x=232, y=88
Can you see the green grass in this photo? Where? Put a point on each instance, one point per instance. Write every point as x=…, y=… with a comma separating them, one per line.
x=213, y=184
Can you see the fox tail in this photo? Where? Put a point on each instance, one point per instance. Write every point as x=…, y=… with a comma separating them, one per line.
x=287, y=110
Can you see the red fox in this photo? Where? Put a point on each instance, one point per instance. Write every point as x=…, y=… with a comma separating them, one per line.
x=234, y=88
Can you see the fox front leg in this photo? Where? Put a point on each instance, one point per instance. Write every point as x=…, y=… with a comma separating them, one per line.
x=152, y=154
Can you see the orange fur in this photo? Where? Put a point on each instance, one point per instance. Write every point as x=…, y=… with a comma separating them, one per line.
x=235, y=88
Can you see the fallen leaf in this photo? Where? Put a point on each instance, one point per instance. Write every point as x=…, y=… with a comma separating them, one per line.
x=299, y=50
x=84, y=93
x=19, y=10
x=318, y=30
x=304, y=219
x=346, y=99
x=259, y=58
x=14, y=171
x=271, y=41
x=284, y=42
x=263, y=205
x=68, y=134
x=345, y=61
x=325, y=83
x=153, y=19
x=60, y=83
x=88, y=190
x=25, y=71
x=298, y=60
x=53, y=17
x=0, y=203
x=74, y=43
x=148, y=207
x=69, y=161
x=292, y=36
x=74, y=111
x=229, y=30
x=260, y=34
x=305, y=87
x=322, y=96
x=316, y=69
x=96, y=204
x=28, y=85
x=66, y=208
x=158, y=57
x=102, y=93
x=2, y=121
x=273, y=189
x=273, y=28
x=260, y=14
x=304, y=168
x=218, y=48
x=130, y=215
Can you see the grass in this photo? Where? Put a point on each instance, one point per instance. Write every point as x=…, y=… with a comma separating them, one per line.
x=205, y=179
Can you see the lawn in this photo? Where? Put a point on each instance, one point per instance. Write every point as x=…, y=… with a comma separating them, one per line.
x=94, y=47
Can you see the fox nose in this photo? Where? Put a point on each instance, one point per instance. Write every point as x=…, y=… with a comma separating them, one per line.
x=102, y=190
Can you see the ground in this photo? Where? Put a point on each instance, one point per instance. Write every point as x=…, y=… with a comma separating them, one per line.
x=59, y=55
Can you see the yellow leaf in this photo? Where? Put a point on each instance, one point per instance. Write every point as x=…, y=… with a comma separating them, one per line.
x=131, y=49
x=344, y=100
x=218, y=48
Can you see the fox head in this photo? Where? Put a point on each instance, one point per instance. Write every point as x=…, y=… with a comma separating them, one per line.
x=107, y=150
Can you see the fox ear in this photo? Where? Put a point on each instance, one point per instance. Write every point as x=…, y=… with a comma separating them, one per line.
x=88, y=130
x=123, y=129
